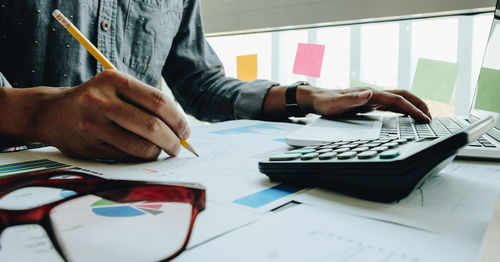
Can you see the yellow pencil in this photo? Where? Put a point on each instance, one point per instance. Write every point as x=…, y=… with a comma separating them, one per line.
x=98, y=55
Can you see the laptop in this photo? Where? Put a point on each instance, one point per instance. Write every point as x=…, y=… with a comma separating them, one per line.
x=372, y=126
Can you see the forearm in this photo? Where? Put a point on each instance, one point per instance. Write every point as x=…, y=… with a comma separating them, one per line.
x=20, y=114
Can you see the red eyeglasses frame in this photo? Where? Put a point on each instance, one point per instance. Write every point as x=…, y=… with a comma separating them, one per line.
x=87, y=183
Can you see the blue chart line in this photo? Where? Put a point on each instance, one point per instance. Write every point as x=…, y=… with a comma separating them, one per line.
x=252, y=129
x=266, y=196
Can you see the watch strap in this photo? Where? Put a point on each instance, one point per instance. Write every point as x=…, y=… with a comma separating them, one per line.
x=291, y=106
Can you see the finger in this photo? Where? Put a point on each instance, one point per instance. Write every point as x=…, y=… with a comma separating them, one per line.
x=414, y=100
x=152, y=100
x=99, y=151
x=146, y=126
x=399, y=104
x=349, y=101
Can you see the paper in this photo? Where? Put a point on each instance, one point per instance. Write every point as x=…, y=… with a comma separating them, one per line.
x=305, y=233
x=491, y=241
x=218, y=219
x=355, y=84
x=27, y=243
x=460, y=201
x=488, y=93
x=309, y=59
x=435, y=80
x=246, y=67
x=227, y=166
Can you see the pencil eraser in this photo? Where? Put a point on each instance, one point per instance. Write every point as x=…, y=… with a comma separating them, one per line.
x=55, y=13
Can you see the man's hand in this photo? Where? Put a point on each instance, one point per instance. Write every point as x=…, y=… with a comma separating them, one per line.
x=112, y=116
x=347, y=101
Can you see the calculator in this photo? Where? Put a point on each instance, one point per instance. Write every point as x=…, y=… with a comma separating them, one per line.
x=385, y=169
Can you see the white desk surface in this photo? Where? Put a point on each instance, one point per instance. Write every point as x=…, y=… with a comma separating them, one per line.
x=445, y=220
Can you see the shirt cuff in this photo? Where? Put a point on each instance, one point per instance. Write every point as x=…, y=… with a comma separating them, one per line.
x=248, y=104
x=4, y=82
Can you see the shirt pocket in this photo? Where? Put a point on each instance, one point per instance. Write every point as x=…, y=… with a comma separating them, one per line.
x=150, y=28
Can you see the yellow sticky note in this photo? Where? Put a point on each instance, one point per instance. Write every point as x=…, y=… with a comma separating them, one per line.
x=246, y=67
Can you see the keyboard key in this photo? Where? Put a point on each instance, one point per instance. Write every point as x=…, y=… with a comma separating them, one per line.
x=284, y=157
x=302, y=151
x=367, y=154
x=490, y=145
x=327, y=156
x=475, y=144
x=347, y=155
x=309, y=156
x=389, y=154
x=348, y=146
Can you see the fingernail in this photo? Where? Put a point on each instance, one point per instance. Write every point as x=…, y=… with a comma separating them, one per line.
x=186, y=132
x=365, y=94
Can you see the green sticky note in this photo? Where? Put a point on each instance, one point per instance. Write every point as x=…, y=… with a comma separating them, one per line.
x=435, y=80
x=488, y=92
x=355, y=83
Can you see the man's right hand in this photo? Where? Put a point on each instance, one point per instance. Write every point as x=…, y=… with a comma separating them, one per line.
x=112, y=116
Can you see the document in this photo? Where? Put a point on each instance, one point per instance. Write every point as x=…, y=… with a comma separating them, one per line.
x=307, y=233
x=459, y=200
x=227, y=166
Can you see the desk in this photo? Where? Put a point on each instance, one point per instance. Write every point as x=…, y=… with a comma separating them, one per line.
x=238, y=225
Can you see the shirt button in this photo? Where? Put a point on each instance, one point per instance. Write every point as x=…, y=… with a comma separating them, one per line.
x=105, y=25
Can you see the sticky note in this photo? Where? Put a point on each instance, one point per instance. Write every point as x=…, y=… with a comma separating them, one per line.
x=488, y=92
x=355, y=83
x=309, y=59
x=246, y=67
x=435, y=80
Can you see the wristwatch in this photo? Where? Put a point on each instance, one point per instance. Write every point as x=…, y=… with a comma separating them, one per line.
x=291, y=106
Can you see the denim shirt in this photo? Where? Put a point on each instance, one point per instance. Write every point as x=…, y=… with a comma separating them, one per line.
x=147, y=39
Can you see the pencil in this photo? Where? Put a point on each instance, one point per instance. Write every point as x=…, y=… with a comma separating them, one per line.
x=98, y=55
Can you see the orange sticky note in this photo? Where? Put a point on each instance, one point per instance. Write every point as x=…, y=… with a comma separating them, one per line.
x=246, y=67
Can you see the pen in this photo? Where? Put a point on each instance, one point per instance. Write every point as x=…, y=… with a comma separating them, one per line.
x=98, y=55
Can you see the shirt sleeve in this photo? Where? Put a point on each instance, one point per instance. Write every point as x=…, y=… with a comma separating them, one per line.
x=197, y=78
x=3, y=81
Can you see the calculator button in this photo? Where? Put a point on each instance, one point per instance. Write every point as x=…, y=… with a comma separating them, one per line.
x=348, y=146
x=327, y=156
x=360, y=149
x=367, y=154
x=389, y=154
x=326, y=150
x=309, y=156
x=341, y=150
x=380, y=148
x=372, y=144
x=401, y=141
x=284, y=157
x=302, y=151
x=328, y=147
x=391, y=145
x=347, y=155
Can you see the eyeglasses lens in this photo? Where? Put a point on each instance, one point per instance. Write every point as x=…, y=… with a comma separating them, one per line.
x=91, y=228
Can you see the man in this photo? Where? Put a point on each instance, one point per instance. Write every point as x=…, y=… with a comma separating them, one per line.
x=87, y=112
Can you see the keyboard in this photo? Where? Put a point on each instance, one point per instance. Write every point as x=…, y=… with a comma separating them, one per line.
x=405, y=127
x=385, y=169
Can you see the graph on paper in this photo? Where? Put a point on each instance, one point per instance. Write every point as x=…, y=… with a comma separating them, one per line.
x=29, y=166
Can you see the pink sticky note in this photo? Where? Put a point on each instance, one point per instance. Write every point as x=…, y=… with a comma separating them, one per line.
x=309, y=59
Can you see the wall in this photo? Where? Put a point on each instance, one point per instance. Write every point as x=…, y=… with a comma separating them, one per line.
x=226, y=16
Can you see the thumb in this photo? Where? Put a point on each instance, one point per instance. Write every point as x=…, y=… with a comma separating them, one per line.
x=356, y=99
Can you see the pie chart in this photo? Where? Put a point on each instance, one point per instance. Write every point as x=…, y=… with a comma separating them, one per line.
x=109, y=208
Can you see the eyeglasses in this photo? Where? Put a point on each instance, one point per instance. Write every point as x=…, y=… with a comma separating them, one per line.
x=107, y=220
